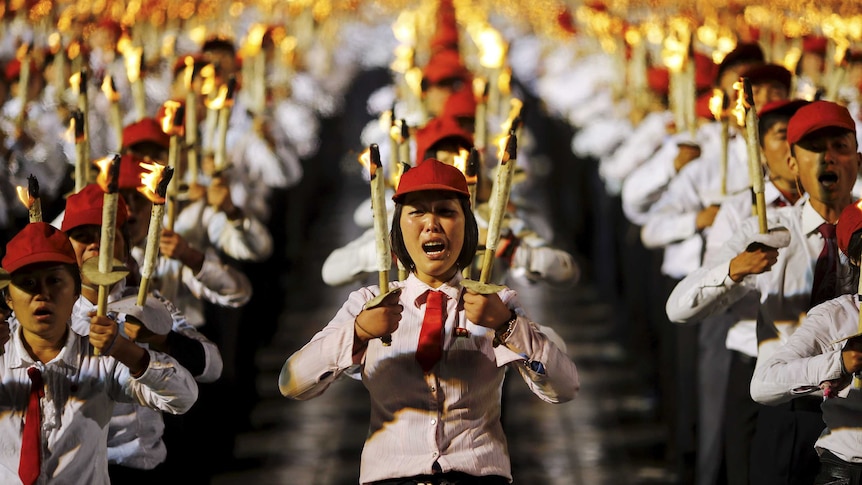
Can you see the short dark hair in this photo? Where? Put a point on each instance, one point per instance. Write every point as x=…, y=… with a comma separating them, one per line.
x=767, y=121
x=468, y=251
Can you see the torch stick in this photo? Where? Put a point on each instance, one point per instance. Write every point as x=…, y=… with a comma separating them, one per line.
x=471, y=173
x=191, y=133
x=381, y=231
x=162, y=176
x=59, y=80
x=837, y=78
x=498, y=203
x=134, y=60
x=82, y=163
x=717, y=105
x=84, y=107
x=753, y=144
x=393, y=142
x=480, y=92
x=23, y=86
x=402, y=168
x=114, y=110
x=223, y=119
x=106, y=270
x=173, y=126
x=30, y=198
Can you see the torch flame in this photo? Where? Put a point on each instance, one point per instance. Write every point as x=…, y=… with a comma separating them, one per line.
x=716, y=103
x=492, y=48
x=741, y=103
x=365, y=159
x=169, y=120
x=150, y=181
x=460, y=162
x=395, y=131
x=254, y=40
x=480, y=89
x=208, y=75
x=189, y=72
x=108, y=88
x=55, y=42
x=25, y=197
x=74, y=50
x=22, y=51
x=515, y=106
x=75, y=81
x=219, y=101
x=413, y=78
x=132, y=56
x=504, y=81
x=104, y=165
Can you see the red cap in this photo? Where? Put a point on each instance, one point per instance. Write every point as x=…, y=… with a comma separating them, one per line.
x=38, y=242
x=145, y=130
x=766, y=73
x=704, y=71
x=85, y=208
x=815, y=116
x=788, y=106
x=112, y=26
x=814, y=44
x=439, y=129
x=658, y=79
x=849, y=222
x=130, y=172
x=461, y=103
x=444, y=64
x=432, y=174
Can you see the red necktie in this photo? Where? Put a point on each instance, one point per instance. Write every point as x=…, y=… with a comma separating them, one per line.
x=31, y=448
x=430, y=346
x=825, y=285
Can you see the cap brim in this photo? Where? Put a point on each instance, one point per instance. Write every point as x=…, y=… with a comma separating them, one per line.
x=43, y=257
x=421, y=188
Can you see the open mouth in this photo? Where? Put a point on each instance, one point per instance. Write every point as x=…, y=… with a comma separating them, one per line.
x=828, y=179
x=434, y=248
x=42, y=312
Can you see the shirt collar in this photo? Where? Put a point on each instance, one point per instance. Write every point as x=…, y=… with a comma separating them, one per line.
x=21, y=359
x=417, y=290
x=811, y=220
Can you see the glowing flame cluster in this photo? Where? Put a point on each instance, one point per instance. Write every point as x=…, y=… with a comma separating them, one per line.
x=150, y=181
x=24, y=196
x=220, y=101
x=132, y=57
x=169, y=120
x=460, y=162
x=716, y=103
x=103, y=178
x=108, y=88
x=742, y=104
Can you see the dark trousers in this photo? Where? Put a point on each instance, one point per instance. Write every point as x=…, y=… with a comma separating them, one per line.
x=448, y=478
x=740, y=419
x=835, y=471
x=782, y=451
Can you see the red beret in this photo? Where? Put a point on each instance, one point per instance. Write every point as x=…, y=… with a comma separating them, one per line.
x=445, y=64
x=432, y=174
x=461, y=103
x=145, y=130
x=446, y=37
x=658, y=79
x=439, y=129
x=849, y=222
x=766, y=73
x=85, y=208
x=788, y=106
x=130, y=172
x=814, y=44
x=38, y=242
x=815, y=116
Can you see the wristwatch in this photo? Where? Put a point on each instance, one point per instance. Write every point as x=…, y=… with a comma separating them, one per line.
x=501, y=335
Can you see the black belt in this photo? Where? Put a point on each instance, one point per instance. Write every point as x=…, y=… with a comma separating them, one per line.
x=448, y=478
x=744, y=358
x=832, y=467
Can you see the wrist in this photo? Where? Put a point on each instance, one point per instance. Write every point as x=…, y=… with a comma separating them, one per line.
x=502, y=334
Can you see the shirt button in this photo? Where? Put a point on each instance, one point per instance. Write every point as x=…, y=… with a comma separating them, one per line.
x=433, y=422
x=435, y=454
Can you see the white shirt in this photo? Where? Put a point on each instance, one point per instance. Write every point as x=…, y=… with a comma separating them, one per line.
x=636, y=150
x=80, y=392
x=245, y=239
x=450, y=415
x=784, y=291
x=810, y=357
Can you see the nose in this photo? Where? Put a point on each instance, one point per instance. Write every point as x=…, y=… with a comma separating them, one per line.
x=432, y=222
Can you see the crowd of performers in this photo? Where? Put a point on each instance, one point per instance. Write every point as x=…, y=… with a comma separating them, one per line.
x=712, y=202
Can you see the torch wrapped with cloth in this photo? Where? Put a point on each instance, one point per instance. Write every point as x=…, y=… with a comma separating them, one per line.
x=371, y=160
x=105, y=270
x=29, y=196
x=172, y=125
x=746, y=114
x=154, y=185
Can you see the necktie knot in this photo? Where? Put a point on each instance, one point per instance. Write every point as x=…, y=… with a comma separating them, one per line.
x=827, y=230
x=35, y=376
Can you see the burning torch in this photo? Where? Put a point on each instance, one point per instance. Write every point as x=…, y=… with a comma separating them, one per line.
x=154, y=185
x=747, y=116
x=717, y=105
x=191, y=133
x=106, y=270
x=82, y=163
x=30, y=198
x=172, y=125
x=371, y=160
x=114, y=109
